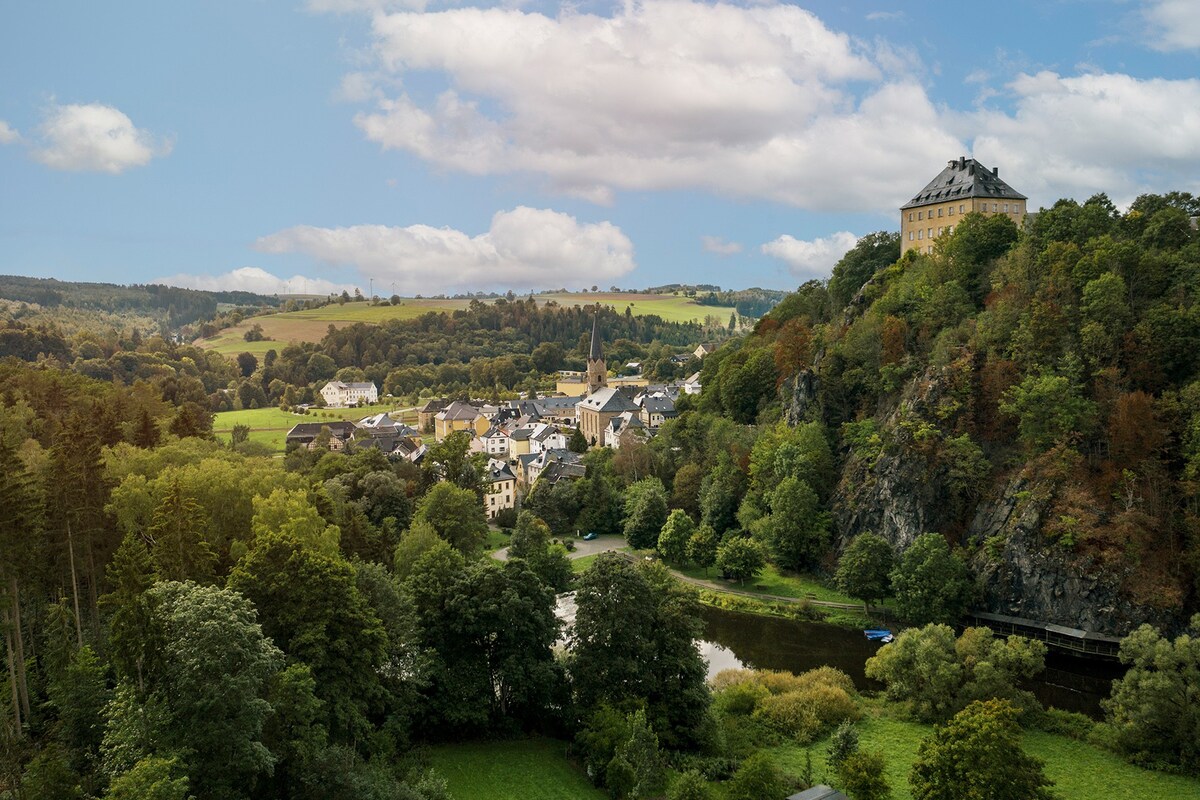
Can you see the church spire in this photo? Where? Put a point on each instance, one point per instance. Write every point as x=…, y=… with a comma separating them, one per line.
x=595, y=353
x=597, y=370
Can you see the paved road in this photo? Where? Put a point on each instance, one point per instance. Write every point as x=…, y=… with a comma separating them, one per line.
x=602, y=544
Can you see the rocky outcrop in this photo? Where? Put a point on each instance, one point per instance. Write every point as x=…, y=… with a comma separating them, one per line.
x=901, y=489
x=800, y=397
x=1022, y=574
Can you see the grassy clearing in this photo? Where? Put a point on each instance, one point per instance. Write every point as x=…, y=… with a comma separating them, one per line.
x=1079, y=770
x=496, y=539
x=270, y=425
x=531, y=769
x=771, y=581
x=312, y=325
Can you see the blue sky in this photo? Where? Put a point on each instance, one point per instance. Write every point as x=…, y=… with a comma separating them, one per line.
x=316, y=144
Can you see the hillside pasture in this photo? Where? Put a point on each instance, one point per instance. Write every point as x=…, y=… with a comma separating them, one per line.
x=312, y=325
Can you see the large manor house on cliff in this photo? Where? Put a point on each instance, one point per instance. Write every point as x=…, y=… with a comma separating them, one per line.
x=963, y=187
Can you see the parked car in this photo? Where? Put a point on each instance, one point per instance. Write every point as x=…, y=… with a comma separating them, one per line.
x=589, y=536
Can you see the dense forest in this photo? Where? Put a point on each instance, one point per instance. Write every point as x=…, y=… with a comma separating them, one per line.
x=1009, y=423
x=176, y=306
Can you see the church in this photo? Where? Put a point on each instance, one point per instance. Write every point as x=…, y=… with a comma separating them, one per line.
x=602, y=402
x=965, y=186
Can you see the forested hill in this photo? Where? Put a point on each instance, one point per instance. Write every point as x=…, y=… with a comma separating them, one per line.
x=1032, y=395
x=175, y=305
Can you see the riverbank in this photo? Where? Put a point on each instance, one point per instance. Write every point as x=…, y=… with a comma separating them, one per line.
x=1080, y=771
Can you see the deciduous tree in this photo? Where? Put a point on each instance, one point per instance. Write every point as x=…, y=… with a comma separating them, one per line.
x=979, y=754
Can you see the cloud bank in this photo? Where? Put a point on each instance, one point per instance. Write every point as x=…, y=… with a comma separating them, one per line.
x=811, y=259
x=254, y=279
x=94, y=138
x=1174, y=24
x=8, y=134
x=759, y=101
x=523, y=248
x=717, y=245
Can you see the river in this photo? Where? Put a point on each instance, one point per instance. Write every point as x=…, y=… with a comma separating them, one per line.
x=732, y=640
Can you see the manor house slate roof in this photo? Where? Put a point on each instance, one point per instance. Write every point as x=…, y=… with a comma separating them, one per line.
x=964, y=178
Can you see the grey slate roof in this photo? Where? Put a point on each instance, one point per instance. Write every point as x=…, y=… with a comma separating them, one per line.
x=964, y=178
x=458, y=410
x=607, y=399
x=499, y=471
x=307, y=431
x=818, y=792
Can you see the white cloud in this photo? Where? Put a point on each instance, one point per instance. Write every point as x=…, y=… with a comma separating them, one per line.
x=813, y=259
x=369, y=6
x=254, y=279
x=1174, y=24
x=761, y=101
x=94, y=138
x=715, y=244
x=884, y=16
x=524, y=248
x=1074, y=136
x=8, y=134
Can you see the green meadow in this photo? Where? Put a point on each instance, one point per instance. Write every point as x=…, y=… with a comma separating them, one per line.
x=1079, y=770
x=311, y=326
x=269, y=426
x=528, y=769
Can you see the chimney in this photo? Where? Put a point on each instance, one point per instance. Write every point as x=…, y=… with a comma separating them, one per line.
x=995, y=172
x=962, y=162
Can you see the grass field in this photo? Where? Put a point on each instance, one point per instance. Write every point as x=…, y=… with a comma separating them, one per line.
x=530, y=769
x=270, y=425
x=1079, y=770
x=311, y=326
x=770, y=581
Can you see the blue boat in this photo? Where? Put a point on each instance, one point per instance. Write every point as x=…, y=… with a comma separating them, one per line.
x=882, y=635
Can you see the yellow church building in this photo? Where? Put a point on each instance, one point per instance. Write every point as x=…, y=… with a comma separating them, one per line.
x=965, y=186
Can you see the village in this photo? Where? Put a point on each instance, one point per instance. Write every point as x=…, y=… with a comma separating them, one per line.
x=523, y=440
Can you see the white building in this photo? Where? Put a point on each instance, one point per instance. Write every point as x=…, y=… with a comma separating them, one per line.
x=338, y=394
x=501, y=488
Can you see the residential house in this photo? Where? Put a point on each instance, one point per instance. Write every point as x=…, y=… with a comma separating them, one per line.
x=457, y=416
x=691, y=384
x=427, y=412
x=340, y=395
x=657, y=409
x=306, y=434
x=559, y=470
x=703, y=349
x=533, y=468
x=598, y=409
x=496, y=442
x=501, y=488
x=624, y=428
x=546, y=437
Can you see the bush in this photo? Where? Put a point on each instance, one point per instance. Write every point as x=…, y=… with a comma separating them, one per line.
x=1071, y=724
x=799, y=707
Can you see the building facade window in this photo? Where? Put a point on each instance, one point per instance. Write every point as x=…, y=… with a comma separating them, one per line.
x=929, y=233
x=911, y=236
x=940, y=210
x=910, y=216
x=920, y=234
x=950, y=211
x=920, y=215
x=960, y=209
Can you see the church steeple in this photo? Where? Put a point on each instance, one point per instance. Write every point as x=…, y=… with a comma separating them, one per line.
x=597, y=371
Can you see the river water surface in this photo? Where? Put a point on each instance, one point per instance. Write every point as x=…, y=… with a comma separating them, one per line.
x=732, y=640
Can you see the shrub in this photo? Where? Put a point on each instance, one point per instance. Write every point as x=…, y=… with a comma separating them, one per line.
x=1071, y=724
